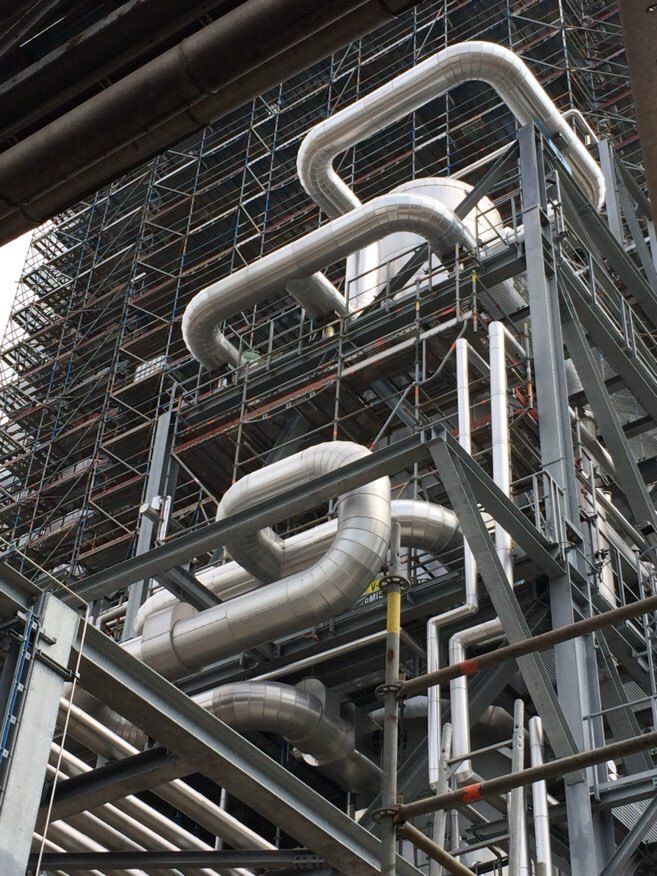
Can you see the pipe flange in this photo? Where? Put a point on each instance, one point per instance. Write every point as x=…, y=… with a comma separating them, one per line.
x=394, y=581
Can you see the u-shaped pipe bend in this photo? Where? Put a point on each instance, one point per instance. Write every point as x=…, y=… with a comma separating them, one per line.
x=464, y=62
x=382, y=216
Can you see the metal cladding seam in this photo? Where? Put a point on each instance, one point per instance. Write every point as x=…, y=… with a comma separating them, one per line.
x=455, y=65
x=290, y=712
x=267, y=276
x=424, y=526
x=175, y=643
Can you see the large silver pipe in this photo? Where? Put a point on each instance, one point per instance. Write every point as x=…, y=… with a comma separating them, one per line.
x=99, y=739
x=468, y=61
x=337, y=239
x=174, y=644
x=424, y=526
x=73, y=840
x=540, y=802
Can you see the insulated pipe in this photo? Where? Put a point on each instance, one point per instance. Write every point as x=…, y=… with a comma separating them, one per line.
x=49, y=846
x=471, y=604
x=424, y=526
x=500, y=444
x=295, y=714
x=337, y=239
x=318, y=296
x=540, y=802
x=216, y=70
x=73, y=840
x=92, y=734
x=468, y=61
x=174, y=644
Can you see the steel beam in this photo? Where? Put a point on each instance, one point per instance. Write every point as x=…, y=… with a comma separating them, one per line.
x=542, y=551
x=575, y=686
x=629, y=476
x=636, y=377
x=159, y=458
x=619, y=863
x=26, y=767
x=183, y=860
x=187, y=588
x=210, y=747
x=502, y=596
x=113, y=781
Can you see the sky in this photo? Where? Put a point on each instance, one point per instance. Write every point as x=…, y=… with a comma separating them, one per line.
x=12, y=259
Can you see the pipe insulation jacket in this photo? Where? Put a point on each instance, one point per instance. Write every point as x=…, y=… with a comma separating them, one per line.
x=424, y=526
x=455, y=65
x=267, y=276
x=177, y=641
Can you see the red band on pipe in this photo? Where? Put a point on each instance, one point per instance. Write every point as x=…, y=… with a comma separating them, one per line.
x=472, y=793
x=467, y=667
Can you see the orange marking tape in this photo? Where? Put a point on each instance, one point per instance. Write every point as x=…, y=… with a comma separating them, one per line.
x=467, y=667
x=472, y=793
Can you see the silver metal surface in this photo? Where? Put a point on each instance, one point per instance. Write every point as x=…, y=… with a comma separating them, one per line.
x=490, y=63
x=424, y=525
x=268, y=276
x=540, y=802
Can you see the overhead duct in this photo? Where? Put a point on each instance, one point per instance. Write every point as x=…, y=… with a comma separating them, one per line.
x=455, y=65
x=380, y=217
x=217, y=69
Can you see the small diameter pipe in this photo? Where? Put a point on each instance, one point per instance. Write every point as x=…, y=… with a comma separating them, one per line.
x=434, y=851
x=518, y=864
x=393, y=586
x=471, y=604
x=529, y=646
x=540, y=802
x=503, y=784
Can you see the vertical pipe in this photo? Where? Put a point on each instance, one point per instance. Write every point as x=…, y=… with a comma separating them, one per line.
x=500, y=434
x=518, y=863
x=393, y=585
x=440, y=818
x=540, y=802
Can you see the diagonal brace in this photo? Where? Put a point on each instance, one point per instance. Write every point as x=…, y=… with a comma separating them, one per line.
x=502, y=596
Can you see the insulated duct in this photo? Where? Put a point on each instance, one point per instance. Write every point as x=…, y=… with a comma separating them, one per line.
x=424, y=526
x=337, y=239
x=175, y=641
x=475, y=60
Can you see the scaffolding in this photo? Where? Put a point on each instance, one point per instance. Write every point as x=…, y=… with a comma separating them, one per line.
x=116, y=441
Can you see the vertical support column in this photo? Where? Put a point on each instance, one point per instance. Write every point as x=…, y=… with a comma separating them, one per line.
x=393, y=583
x=574, y=685
x=27, y=761
x=147, y=527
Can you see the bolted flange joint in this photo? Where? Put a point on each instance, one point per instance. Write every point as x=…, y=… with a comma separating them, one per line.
x=394, y=581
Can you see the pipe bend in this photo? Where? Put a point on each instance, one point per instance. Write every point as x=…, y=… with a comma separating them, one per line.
x=300, y=600
x=267, y=276
x=476, y=60
x=297, y=715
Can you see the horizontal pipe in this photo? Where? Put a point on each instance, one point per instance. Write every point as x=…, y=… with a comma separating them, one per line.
x=529, y=646
x=370, y=222
x=554, y=769
x=434, y=851
x=433, y=77
x=211, y=73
